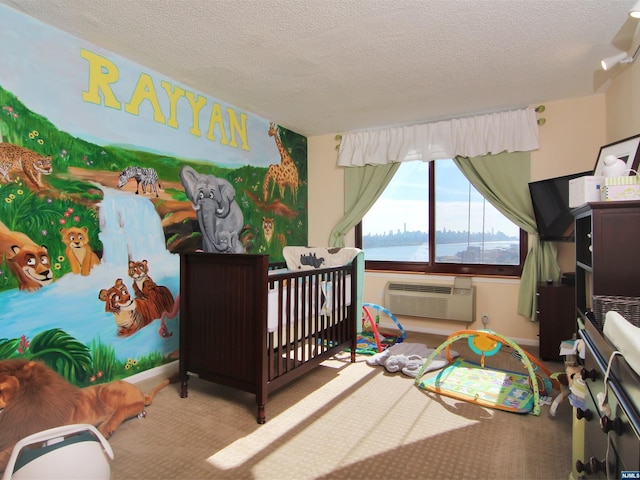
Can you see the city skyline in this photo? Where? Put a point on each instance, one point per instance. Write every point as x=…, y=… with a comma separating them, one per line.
x=400, y=204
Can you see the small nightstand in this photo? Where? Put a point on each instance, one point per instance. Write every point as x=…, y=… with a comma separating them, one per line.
x=557, y=317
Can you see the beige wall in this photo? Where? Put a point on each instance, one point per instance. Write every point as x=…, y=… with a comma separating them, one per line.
x=570, y=140
x=623, y=102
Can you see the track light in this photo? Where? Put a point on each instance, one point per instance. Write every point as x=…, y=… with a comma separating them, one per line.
x=622, y=57
x=610, y=62
x=635, y=10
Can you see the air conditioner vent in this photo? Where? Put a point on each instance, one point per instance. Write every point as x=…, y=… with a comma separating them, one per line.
x=421, y=288
x=443, y=302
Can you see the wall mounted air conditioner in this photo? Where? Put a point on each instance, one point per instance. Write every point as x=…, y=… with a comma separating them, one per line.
x=445, y=302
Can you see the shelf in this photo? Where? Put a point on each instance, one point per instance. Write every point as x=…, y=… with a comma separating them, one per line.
x=607, y=263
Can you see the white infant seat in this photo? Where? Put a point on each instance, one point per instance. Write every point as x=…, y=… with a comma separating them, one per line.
x=68, y=452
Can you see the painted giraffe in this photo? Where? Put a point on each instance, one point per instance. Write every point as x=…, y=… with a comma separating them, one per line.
x=283, y=174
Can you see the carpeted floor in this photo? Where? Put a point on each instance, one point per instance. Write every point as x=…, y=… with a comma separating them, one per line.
x=342, y=421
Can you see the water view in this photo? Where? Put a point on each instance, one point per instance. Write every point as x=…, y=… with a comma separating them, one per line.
x=496, y=253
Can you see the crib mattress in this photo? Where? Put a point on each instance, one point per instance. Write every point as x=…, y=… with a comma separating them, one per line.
x=273, y=307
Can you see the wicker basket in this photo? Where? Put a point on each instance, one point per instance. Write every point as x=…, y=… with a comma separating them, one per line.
x=628, y=307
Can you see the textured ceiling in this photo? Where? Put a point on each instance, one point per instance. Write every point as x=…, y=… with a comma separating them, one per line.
x=326, y=66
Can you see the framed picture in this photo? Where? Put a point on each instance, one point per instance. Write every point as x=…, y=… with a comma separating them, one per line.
x=626, y=150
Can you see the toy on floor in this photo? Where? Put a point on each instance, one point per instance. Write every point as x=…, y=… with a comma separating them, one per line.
x=570, y=382
x=371, y=340
x=491, y=387
x=407, y=358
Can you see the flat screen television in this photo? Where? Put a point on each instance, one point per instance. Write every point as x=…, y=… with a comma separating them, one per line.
x=550, y=199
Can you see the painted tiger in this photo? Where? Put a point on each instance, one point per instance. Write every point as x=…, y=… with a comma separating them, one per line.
x=124, y=307
x=148, y=177
x=152, y=299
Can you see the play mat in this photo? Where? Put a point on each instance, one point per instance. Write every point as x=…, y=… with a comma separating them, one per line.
x=368, y=344
x=371, y=340
x=487, y=386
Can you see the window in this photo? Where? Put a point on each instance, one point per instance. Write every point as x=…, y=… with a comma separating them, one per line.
x=471, y=236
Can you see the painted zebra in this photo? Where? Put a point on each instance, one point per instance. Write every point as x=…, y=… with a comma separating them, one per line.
x=148, y=177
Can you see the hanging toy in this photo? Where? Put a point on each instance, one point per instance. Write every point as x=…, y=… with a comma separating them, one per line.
x=482, y=344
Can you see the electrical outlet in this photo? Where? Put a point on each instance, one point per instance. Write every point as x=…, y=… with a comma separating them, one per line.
x=485, y=319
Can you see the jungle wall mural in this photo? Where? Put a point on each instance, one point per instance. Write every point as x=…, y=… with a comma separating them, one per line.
x=109, y=171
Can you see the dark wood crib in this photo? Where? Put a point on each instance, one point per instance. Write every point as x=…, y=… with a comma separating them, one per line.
x=254, y=326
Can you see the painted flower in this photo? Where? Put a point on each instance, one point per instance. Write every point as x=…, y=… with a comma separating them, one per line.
x=57, y=266
x=62, y=221
x=8, y=200
x=61, y=258
x=20, y=192
x=76, y=218
x=44, y=233
x=23, y=345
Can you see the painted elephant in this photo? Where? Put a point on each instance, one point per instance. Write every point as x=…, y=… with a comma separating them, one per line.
x=219, y=215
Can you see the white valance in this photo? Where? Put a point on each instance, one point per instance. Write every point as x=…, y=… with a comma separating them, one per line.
x=512, y=131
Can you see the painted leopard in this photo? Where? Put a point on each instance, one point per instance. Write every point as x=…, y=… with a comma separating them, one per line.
x=20, y=159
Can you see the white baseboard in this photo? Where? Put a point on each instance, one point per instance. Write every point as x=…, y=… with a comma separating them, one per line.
x=166, y=370
x=433, y=331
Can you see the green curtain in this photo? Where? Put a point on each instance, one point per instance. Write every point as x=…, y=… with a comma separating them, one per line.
x=503, y=180
x=362, y=187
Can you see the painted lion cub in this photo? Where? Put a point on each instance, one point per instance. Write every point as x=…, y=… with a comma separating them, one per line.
x=79, y=253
